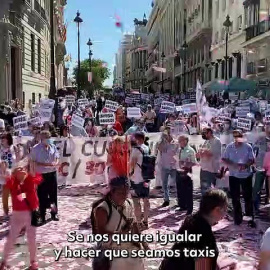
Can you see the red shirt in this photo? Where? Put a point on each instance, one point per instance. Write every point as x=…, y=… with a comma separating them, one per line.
x=118, y=127
x=20, y=191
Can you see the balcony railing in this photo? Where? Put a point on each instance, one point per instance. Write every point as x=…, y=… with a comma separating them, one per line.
x=256, y=30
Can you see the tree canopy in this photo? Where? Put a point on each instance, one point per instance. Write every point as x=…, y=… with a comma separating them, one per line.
x=100, y=73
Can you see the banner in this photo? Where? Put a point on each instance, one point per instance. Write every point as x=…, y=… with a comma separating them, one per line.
x=70, y=100
x=167, y=107
x=77, y=121
x=83, y=160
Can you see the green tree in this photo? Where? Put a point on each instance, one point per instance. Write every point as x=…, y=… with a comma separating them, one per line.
x=100, y=73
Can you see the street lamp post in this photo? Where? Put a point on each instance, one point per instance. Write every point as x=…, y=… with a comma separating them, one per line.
x=162, y=80
x=227, y=25
x=89, y=43
x=52, y=93
x=184, y=48
x=78, y=20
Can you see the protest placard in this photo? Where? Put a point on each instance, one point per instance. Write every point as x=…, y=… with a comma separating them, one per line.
x=107, y=118
x=134, y=112
x=242, y=111
x=167, y=107
x=189, y=108
x=20, y=123
x=82, y=102
x=77, y=120
x=244, y=124
x=128, y=100
x=223, y=117
x=145, y=97
x=178, y=108
x=35, y=121
x=267, y=116
x=70, y=100
x=244, y=103
x=178, y=128
x=111, y=105
x=135, y=97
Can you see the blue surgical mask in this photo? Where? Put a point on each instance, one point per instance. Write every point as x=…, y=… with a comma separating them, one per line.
x=48, y=141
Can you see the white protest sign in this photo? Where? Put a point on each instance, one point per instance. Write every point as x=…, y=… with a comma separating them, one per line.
x=179, y=108
x=267, y=116
x=134, y=112
x=46, y=103
x=111, y=105
x=82, y=102
x=263, y=105
x=35, y=121
x=77, y=120
x=167, y=107
x=20, y=123
x=223, y=117
x=178, y=127
x=145, y=97
x=244, y=124
x=45, y=115
x=189, y=108
x=128, y=100
x=70, y=100
x=242, y=111
x=107, y=118
x=244, y=103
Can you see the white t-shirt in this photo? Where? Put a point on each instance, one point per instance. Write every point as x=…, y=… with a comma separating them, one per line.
x=150, y=117
x=136, y=153
x=266, y=245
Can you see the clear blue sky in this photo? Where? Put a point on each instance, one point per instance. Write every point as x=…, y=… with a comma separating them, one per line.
x=99, y=25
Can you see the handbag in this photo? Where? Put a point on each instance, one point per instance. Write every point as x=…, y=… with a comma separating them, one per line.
x=36, y=220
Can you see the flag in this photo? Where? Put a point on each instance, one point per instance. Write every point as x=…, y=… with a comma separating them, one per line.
x=200, y=97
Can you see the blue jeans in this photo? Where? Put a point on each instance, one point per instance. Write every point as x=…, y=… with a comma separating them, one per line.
x=207, y=179
x=258, y=184
x=165, y=180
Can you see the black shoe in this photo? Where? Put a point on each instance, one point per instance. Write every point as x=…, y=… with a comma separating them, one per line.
x=158, y=187
x=188, y=213
x=165, y=204
x=55, y=217
x=238, y=222
x=252, y=224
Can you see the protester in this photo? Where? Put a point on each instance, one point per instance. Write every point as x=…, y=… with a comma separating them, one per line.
x=210, y=157
x=139, y=185
x=90, y=128
x=168, y=148
x=46, y=156
x=239, y=157
x=9, y=155
x=64, y=132
x=22, y=187
x=213, y=207
x=149, y=118
x=184, y=183
x=117, y=159
x=264, y=263
x=115, y=214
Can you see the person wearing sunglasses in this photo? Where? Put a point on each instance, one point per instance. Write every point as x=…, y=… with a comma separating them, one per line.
x=239, y=157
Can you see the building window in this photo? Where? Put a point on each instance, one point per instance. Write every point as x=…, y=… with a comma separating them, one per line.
x=33, y=98
x=224, y=4
x=202, y=10
x=217, y=8
x=23, y=48
x=33, y=52
x=239, y=23
x=216, y=70
x=23, y=98
x=39, y=56
x=251, y=68
x=230, y=67
x=39, y=97
x=223, y=69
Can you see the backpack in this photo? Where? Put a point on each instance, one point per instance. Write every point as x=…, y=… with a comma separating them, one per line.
x=94, y=206
x=148, y=165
